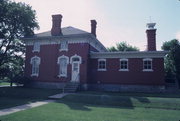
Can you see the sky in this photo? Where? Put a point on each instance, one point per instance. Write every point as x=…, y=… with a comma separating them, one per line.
x=117, y=20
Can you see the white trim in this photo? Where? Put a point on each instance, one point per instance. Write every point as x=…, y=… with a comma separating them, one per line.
x=123, y=69
x=76, y=56
x=102, y=69
x=129, y=54
x=38, y=63
x=147, y=59
x=63, y=56
x=148, y=70
x=70, y=39
x=124, y=59
x=35, y=75
x=36, y=46
x=65, y=45
x=58, y=62
x=78, y=71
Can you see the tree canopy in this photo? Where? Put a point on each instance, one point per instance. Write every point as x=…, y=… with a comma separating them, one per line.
x=123, y=46
x=172, y=60
x=17, y=20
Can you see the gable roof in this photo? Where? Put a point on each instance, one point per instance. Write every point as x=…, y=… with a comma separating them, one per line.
x=65, y=31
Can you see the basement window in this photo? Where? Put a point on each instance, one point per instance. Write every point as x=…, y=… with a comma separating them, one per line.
x=101, y=64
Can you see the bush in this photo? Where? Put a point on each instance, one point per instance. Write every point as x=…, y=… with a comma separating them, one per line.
x=25, y=81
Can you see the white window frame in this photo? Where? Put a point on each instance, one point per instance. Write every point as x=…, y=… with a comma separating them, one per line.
x=36, y=46
x=76, y=56
x=65, y=67
x=121, y=69
x=148, y=59
x=101, y=69
x=33, y=66
x=63, y=45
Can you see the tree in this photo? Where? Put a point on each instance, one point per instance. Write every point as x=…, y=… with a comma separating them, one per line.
x=123, y=46
x=172, y=60
x=17, y=20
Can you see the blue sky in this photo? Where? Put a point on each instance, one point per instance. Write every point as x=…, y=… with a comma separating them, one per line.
x=118, y=20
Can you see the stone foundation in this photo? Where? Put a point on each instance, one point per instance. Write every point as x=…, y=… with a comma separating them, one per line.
x=48, y=85
x=123, y=88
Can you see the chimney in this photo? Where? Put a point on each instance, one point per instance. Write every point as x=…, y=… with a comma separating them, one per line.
x=151, y=37
x=56, y=25
x=93, y=27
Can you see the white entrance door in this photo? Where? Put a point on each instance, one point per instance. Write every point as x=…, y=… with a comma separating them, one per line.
x=75, y=72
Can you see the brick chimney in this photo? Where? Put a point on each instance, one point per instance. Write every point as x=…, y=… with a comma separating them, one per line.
x=151, y=37
x=56, y=25
x=93, y=27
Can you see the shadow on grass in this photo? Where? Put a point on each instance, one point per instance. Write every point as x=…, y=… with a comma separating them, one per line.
x=82, y=102
x=14, y=96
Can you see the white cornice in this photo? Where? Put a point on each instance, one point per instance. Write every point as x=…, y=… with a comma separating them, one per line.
x=82, y=38
x=129, y=54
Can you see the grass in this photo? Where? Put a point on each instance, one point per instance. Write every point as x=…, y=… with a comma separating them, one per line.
x=4, y=83
x=102, y=106
x=13, y=96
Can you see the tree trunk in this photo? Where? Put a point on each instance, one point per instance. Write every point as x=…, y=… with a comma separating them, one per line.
x=11, y=84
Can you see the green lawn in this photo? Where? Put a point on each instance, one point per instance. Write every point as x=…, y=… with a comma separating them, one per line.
x=4, y=83
x=101, y=106
x=13, y=96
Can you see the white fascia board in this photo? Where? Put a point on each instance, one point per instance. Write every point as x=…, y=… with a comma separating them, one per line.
x=129, y=54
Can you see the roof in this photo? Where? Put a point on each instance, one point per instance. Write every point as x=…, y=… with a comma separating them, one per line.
x=129, y=54
x=65, y=31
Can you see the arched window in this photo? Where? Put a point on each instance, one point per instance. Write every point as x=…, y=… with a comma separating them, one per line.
x=76, y=58
x=35, y=61
x=63, y=62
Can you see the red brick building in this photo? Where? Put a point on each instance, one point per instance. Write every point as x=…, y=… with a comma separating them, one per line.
x=68, y=54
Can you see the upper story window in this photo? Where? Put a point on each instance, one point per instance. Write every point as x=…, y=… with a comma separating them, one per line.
x=123, y=65
x=35, y=61
x=64, y=46
x=147, y=64
x=63, y=63
x=36, y=47
x=101, y=64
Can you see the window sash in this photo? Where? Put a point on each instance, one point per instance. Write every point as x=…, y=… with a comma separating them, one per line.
x=36, y=47
x=63, y=67
x=123, y=64
x=63, y=45
x=147, y=65
x=102, y=64
x=35, y=66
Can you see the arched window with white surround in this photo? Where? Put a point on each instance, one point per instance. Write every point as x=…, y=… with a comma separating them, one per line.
x=63, y=62
x=76, y=58
x=35, y=62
